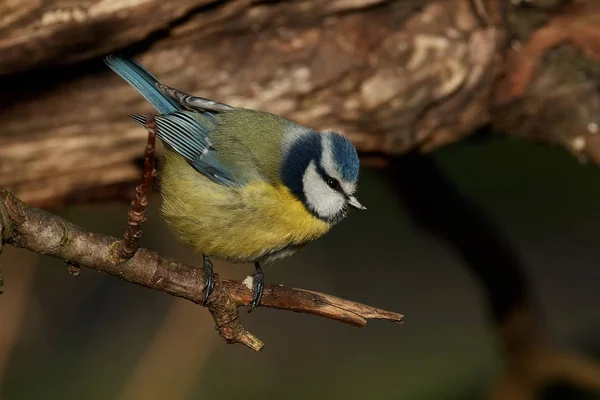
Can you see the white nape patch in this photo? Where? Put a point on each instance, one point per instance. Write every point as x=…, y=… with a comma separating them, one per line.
x=293, y=132
x=327, y=159
x=249, y=281
x=330, y=166
x=322, y=199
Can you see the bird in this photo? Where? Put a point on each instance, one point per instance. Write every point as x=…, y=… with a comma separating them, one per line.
x=243, y=185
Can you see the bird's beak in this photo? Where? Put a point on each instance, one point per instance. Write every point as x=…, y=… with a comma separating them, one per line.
x=353, y=201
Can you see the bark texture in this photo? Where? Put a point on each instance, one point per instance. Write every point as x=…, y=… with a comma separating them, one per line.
x=392, y=75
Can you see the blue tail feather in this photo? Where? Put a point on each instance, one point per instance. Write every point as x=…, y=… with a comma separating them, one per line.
x=144, y=82
x=185, y=132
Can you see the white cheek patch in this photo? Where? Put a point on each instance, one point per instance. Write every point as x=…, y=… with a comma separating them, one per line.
x=322, y=199
x=349, y=187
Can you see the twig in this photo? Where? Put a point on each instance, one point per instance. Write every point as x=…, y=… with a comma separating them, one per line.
x=137, y=212
x=46, y=233
x=309, y=302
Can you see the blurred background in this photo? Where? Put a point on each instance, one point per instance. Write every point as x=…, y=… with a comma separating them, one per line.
x=96, y=337
x=477, y=122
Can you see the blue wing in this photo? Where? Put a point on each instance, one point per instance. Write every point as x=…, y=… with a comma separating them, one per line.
x=185, y=132
x=189, y=136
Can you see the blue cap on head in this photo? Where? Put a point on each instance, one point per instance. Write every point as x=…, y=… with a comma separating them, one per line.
x=345, y=157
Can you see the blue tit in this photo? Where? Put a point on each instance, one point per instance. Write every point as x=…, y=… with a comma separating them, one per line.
x=244, y=185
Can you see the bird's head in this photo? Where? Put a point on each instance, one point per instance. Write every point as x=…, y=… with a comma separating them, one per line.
x=321, y=169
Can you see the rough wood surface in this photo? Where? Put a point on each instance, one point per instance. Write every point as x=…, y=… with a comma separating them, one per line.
x=549, y=88
x=389, y=74
x=392, y=75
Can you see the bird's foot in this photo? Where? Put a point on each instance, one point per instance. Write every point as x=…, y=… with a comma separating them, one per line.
x=258, y=285
x=209, y=278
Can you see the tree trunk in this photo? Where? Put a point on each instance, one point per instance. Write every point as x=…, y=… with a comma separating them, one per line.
x=392, y=75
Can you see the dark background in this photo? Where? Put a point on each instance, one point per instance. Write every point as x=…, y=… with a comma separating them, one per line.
x=96, y=337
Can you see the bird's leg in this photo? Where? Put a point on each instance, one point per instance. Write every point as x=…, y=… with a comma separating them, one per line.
x=258, y=285
x=137, y=212
x=209, y=277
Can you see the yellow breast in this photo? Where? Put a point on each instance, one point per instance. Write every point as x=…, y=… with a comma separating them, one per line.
x=238, y=224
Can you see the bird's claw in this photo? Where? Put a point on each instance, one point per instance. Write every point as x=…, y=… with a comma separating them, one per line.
x=258, y=286
x=209, y=278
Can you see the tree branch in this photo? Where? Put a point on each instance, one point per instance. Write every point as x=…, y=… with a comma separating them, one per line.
x=45, y=233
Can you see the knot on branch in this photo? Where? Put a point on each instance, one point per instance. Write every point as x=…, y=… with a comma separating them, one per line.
x=225, y=312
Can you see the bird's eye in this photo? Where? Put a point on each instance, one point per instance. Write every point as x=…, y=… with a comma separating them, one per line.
x=333, y=183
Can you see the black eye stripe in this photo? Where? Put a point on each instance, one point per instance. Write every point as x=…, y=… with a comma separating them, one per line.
x=334, y=184
x=330, y=181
